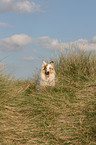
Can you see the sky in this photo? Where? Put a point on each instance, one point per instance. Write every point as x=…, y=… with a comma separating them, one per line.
x=35, y=30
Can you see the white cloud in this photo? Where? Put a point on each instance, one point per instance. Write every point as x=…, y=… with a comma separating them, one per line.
x=30, y=58
x=47, y=42
x=93, y=40
x=3, y=24
x=36, y=51
x=15, y=42
x=6, y=1
x=84, y=44
x=19, y=6
x=54, y=44
x=19, y=41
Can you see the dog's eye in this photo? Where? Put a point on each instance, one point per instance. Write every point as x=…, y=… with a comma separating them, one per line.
x=51, y=68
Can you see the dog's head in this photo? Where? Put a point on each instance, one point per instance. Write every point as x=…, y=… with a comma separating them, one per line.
x=48, y=69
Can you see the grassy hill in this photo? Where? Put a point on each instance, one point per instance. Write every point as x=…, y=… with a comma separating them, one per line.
x=64, y=115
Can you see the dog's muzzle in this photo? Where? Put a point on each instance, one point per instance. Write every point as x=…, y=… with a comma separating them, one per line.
x=47, y=74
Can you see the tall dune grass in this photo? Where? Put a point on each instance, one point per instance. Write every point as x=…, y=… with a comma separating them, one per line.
x=62, y=115
x=75, y=68
x=79, y=65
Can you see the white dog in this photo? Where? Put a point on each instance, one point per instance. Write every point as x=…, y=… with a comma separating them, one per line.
x=47, y=75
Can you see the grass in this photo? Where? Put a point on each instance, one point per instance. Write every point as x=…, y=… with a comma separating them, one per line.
x=64, y=115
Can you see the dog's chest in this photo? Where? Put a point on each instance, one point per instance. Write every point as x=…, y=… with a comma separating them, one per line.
x=44, y=81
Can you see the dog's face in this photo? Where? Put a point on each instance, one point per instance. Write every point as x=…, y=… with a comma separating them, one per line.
x=48, y=69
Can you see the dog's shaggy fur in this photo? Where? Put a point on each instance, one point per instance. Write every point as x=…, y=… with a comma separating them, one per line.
x=47, y=75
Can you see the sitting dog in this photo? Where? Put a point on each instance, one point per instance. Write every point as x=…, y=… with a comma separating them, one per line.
x=47, y=75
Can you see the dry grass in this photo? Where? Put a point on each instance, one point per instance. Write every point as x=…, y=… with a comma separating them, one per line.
x=64, y=115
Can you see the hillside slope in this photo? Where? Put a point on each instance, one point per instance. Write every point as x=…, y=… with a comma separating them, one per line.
x=63, y=115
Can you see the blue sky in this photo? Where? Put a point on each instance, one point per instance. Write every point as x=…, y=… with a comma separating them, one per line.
x=34, y=30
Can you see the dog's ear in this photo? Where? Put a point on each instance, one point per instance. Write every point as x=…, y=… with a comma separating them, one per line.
x=52, y=63
x=43, y=64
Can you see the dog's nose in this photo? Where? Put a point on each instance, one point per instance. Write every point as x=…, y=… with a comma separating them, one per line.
x=47, y=73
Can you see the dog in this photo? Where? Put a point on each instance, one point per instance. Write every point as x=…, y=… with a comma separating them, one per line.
x=47, y=78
